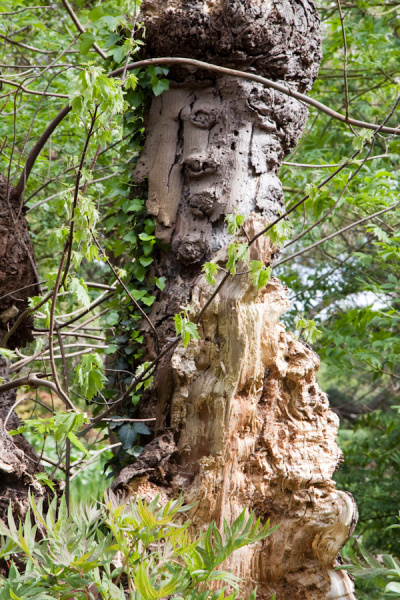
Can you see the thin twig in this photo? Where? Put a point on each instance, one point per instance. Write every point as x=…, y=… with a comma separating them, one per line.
x=81, y=28
x=329, y=237
x=34, y=92
x=137, y=305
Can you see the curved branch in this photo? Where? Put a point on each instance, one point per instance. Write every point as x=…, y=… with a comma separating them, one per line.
x=335, y=233
x=280, y=87
x=34, y=92
x=81, y=28
x=38, y=147
x=283, y=88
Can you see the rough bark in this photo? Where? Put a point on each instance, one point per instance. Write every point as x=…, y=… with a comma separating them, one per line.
x=17, y=267
x=241, y=421
x=18, y=460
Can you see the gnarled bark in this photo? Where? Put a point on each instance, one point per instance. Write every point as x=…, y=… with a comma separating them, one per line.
x=241, y=421
x=18, y=460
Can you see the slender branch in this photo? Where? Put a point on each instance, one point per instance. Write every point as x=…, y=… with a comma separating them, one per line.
x=69, y=190
x=34, y=92
x=280, y=87
x=32, y=48
x=93, y=458
x=70, y=239
x=308, y=166
x=59, y=389
x=329, y=237
x=33, y=380
x=16, y=12
x=39, y=189
x=137, y=305
x=99, y=300
x=283, y=88
x=135, y=381
x=21, y=317
x=20, y=289
x=81, y=28
x=38, y=147
x=346, y=87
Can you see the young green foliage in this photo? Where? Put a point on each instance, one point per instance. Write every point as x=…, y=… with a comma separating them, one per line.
x=234, y=222
x=75, y=555
x=184, y=327
x=259, y=273
x=210, y=269
x=280, y=233
x=308, y=329
x=61, y=425
x=90, y=375
x=237, y=252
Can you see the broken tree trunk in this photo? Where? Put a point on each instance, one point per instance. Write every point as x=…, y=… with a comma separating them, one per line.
x=241, y=421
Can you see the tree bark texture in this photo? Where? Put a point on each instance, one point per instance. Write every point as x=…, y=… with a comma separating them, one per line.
x=19, y=461
x=17, y=267
x=241, y=421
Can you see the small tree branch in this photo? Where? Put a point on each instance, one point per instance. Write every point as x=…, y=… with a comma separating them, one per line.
x=329, y=237
x=34, y=92
x=81, y=28
x=280, y=87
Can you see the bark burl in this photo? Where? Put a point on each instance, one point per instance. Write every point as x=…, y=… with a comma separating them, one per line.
x=241, y=421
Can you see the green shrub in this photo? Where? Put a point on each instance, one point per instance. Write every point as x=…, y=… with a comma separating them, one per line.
x=117, y=551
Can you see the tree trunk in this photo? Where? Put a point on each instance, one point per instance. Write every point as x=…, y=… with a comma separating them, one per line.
x=241, y=421
x=19, y=461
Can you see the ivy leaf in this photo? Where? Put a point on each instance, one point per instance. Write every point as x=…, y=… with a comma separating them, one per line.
x=128, y=433
x=161, y=282
x=159, y=86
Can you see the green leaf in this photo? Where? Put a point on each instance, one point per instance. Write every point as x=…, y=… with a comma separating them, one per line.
x=236, y=252
x=187, y=329
x=43, y=478
x=308, y=329
x=393, y=588
x=78, y=288
x=280, y=233
x=90, y=376
x=312, y=191
x=76, y=442
x=7, y=353
x=210, y=269
x=260, y=274
x=159, y=86
x=234, y=221
x=96, y=13
x=86, y=41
